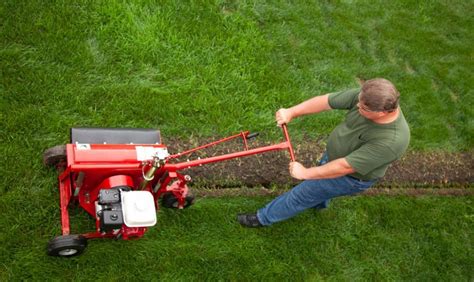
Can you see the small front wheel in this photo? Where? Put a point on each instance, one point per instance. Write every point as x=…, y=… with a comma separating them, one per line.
x=55, y=157
x=67, y=246
x=169, y=200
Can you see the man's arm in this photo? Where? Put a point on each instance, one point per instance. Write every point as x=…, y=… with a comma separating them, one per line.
x=312, y=106
x=332, y=169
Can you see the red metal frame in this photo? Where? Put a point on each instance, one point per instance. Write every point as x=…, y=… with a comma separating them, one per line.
x=102, y=166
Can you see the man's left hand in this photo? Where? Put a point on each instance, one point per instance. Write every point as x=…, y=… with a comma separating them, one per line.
x=297, y=170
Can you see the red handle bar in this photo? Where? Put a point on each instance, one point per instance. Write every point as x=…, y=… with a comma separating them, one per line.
x=287, y=138
x=188, y=164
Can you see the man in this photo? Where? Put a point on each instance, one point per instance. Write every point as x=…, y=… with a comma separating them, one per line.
x=359, y=150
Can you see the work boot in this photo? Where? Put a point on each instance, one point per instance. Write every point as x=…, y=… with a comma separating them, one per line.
x=249, y=220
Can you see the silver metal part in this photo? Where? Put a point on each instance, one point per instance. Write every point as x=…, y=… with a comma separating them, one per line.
x=79, y=181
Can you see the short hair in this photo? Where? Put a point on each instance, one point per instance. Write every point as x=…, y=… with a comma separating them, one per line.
x=379, y=95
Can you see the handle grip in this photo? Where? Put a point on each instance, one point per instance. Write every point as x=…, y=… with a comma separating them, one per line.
x=252, y=135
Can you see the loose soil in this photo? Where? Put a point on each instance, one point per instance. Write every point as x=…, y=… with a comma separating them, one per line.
x=414, y=170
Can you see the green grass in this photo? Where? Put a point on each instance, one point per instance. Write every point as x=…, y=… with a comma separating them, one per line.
x=361, y=238
x=213, y=68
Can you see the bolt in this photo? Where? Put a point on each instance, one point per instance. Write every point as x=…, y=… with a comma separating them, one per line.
x=114, y=217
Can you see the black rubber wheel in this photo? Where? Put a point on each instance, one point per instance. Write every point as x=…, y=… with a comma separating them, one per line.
x=55, y=157
x=67, y=246
x=170, y=201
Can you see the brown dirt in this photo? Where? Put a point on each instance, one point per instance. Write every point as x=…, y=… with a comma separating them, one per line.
x=414, y=170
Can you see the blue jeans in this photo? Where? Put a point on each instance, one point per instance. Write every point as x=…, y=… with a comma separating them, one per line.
x=310, y=194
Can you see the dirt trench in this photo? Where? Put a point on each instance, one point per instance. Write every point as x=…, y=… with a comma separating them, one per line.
x=414, y=170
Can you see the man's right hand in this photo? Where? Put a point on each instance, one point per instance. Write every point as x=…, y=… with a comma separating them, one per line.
x=283, y=116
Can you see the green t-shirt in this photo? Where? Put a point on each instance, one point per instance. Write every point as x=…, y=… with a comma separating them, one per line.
x=368, y=147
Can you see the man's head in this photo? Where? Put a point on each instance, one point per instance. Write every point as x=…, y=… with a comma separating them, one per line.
x=378, y=95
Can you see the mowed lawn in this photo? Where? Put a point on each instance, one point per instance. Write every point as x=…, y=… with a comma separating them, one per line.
x=361, y=238
x=213, y=68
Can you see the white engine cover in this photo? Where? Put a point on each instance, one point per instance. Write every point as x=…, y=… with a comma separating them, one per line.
x=138, y=208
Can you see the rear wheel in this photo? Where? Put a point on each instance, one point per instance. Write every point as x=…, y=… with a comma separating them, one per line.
x=169, y=200
x=55, y=157
x=67, y=246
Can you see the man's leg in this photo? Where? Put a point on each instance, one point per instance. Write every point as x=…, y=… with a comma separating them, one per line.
x=308, y=194
x=323, y=204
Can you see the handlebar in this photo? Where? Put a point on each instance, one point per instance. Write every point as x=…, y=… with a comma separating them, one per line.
x=287, y=138
x=286, y=145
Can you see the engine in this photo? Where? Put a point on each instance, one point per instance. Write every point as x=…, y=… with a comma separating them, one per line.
x=118, y=206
